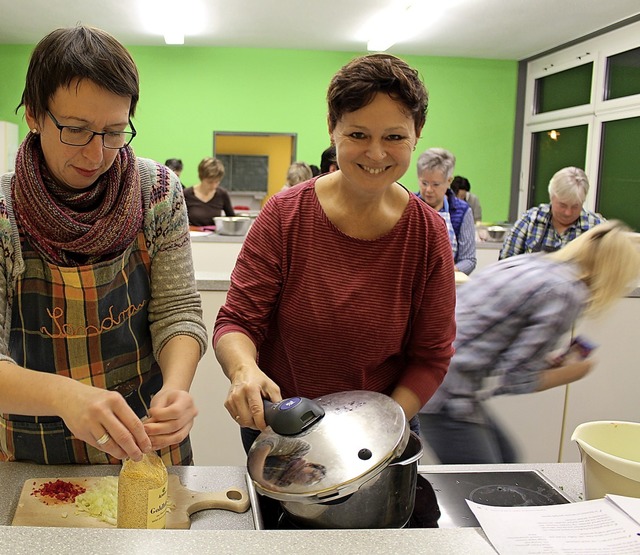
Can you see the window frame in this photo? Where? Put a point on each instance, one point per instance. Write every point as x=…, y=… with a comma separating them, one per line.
x=594, y=114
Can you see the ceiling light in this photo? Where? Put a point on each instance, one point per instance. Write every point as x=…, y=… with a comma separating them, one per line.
x=174, y=37
x=173, y=19
x=401, y=21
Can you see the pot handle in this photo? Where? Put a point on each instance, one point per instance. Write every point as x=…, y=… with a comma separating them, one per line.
x=292, y=416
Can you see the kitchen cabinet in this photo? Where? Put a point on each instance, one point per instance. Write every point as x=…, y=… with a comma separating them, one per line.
x=541, y=424
x=215, y=437
x=215, y=253
x=486, y=254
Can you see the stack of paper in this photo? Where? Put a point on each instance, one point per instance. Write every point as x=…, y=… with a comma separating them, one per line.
x=600, y=526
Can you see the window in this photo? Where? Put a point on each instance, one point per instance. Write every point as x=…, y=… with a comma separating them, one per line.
x=553, y=149
x=582, y=108
x=564, y=89
x=619, y=175
x=623, y=74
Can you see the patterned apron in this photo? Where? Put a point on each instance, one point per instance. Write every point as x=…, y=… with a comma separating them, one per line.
x=89, y=323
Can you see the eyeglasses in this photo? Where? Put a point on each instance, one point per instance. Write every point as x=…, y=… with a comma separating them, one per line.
x=80, y=136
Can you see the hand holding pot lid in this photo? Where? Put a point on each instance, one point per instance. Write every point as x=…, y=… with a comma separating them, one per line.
x=244, y=401
x=360, y=432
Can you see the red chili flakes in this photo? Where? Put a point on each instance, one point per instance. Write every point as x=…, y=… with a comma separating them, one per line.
x=60, y=491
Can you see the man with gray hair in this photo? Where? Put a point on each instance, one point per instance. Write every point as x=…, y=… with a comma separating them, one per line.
x=549, y=227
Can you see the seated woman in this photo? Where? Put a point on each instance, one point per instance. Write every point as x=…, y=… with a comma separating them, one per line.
x=207, y=200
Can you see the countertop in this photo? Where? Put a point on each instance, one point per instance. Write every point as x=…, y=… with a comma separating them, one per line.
x=212, y=237
x=223, y=532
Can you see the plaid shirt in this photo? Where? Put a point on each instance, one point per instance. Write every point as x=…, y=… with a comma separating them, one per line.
x=534, y=232
x=510, y=316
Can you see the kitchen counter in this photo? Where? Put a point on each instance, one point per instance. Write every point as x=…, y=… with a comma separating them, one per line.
x=199, y=237
x=223, y=532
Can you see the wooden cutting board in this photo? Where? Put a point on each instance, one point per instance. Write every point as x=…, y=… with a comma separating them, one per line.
x=33, y=511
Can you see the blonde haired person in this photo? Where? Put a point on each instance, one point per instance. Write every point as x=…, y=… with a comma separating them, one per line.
x=207, y=200
x=511, y=317
x=298, y=172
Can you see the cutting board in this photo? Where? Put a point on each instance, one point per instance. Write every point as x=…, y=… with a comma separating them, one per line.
x=33, y=511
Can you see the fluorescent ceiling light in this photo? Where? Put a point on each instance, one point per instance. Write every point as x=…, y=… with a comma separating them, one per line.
x=174, y=37
x=174, y=19
x=403, y=19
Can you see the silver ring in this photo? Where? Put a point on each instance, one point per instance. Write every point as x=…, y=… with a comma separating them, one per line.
x=104, y=438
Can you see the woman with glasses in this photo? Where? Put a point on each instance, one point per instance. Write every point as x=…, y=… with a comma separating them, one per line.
x=549, y=227
x=100, y=322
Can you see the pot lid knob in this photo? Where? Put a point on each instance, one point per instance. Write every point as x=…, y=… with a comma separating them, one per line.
x=292, y=416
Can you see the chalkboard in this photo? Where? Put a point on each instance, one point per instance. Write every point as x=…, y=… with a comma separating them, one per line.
x=244, y=172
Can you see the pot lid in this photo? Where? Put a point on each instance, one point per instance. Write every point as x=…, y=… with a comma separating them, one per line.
x=359, y=434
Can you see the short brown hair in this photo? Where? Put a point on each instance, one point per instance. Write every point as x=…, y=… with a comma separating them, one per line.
x=78, y=53
x=355, y=85
x=210, y=168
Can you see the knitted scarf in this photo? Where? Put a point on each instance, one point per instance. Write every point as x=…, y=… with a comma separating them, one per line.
x=70, y=227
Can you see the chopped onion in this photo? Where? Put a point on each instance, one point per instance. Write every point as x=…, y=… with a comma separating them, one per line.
x=100, y=500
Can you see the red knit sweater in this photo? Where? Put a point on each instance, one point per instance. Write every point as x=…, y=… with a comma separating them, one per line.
x=331, y=313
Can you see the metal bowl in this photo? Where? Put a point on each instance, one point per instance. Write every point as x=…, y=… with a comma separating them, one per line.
x=496, y=232
x=232, y=225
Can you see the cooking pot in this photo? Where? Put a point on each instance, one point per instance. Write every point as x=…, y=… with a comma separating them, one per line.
x=354, y=466
x=232, y=225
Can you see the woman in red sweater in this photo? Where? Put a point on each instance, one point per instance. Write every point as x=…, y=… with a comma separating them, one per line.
x=345, y=282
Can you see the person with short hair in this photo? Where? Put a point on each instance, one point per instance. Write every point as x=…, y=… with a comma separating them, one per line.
x=328, y=161
x=101, y=324
x=175, y=165
x=298, y=172
x=511, y=317
x=346, y=281
x=207, y=200
x=462, y=189
x=549, y=227
x=435, y=173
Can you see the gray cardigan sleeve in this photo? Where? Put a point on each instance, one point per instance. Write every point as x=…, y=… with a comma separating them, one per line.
x=175, y=307
x=11, y=263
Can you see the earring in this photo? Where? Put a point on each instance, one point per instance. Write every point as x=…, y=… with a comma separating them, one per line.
x=34, y=131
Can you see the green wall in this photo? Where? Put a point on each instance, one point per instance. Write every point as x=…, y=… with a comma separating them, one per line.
x=188, y=92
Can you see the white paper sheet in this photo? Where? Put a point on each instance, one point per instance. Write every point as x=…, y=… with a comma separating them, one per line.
x=592, y=527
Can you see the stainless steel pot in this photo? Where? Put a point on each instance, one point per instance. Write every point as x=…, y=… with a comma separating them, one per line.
x=355, y=467
x=384, y=501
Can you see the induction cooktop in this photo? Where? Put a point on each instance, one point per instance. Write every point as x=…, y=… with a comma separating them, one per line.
x=440, y=503
x=499, y=489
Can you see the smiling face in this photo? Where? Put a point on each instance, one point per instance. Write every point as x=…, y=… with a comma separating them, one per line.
x=433, y=185
x=83, y=104
x=374, y=144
